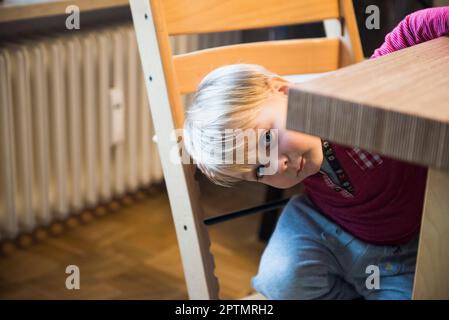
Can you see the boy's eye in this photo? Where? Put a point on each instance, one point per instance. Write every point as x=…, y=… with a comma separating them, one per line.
x=266, y=138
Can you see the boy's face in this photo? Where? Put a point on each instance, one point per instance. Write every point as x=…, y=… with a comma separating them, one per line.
x=299, y=155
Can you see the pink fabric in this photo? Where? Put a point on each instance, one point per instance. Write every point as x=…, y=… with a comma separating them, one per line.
x=420, y=26
x=386, y=204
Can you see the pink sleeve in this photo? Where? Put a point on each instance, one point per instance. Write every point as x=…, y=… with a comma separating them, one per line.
x=420, y=26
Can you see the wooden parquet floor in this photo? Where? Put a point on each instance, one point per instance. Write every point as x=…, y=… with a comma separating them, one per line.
x=132, y=253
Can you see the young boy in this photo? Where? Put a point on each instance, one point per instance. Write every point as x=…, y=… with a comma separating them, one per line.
x=361, y=212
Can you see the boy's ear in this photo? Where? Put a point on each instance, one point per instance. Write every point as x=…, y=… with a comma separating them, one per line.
x=280, y=85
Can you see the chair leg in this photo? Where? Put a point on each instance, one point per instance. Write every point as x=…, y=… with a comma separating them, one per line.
x=269, y=218
x=183, y=190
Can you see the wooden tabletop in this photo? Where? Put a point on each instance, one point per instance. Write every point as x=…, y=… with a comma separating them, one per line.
x=396, y=105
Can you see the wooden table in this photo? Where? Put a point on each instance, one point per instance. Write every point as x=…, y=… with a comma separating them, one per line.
x=396, y=105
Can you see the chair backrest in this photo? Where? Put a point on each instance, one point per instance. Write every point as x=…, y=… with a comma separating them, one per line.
x=284, y=57
x=167, y=77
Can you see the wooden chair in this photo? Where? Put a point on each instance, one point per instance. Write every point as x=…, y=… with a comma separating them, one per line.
x=168, y=77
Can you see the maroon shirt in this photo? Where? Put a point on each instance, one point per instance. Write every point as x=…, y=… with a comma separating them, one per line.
x=385, y=206
x=386, y=203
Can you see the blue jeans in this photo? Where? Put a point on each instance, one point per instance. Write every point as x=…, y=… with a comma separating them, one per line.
x=310, y=257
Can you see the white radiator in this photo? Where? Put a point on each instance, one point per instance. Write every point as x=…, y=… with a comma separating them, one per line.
x=75, y=127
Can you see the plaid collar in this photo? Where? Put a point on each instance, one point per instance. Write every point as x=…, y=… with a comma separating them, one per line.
x=364, y=159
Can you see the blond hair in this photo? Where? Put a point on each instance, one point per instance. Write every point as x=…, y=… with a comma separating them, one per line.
x=229, y=97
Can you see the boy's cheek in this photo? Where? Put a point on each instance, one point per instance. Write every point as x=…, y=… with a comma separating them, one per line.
x=293, y=144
